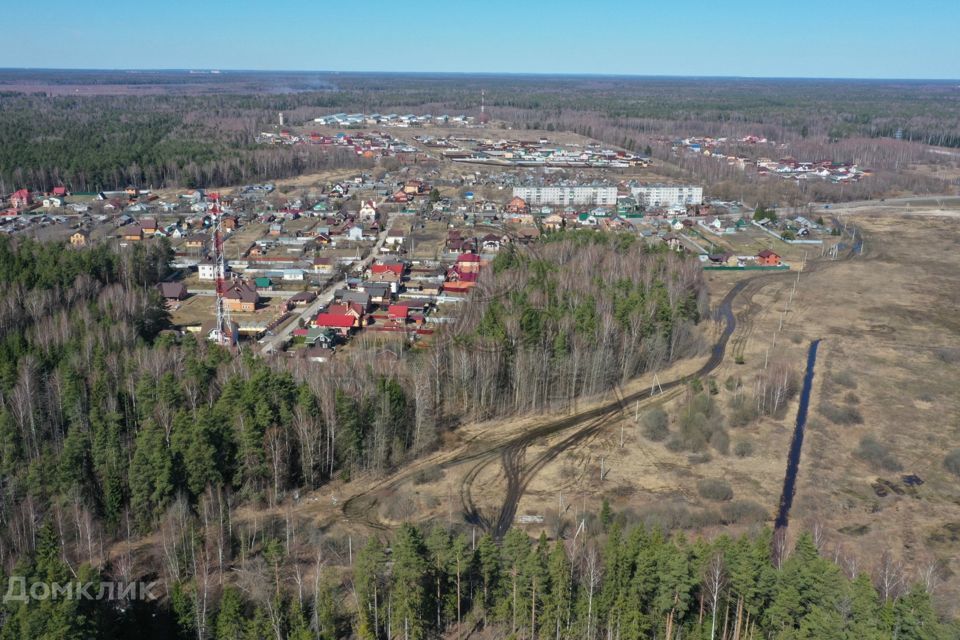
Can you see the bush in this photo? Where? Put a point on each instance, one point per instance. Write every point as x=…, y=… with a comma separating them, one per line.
x=743, y=449
x=720, y=441
x=952, y=462
x=731, y=383
x=398, y=509
x=675, y=444
x=656, y=424
x=693, y=431
x=950, y=355
x=877, y=454
x=715, y=489
x=844, y=379
x=744, y=511
x=743, y=412
x=699, y=458
x=844, y=415
x=427, y=475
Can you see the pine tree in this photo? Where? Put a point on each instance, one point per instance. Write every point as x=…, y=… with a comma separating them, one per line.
x=409, y=586
x=368, y=587
x=230, y=623
x=151, y=475
x=558, y=597
x=488, y=561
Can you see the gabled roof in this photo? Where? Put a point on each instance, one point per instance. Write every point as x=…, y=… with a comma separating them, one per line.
x=766, y=253
x=387, y=268
x=398, y=311
x=173, y=290
x=242, y=291
x=334, y=320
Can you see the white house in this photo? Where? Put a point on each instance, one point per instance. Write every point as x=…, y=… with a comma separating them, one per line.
x=207, y=270
x=368, y=211
x=293, y=274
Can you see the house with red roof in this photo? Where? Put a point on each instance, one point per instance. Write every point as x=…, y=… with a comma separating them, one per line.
x=469, y=263
x=395, y=268
x=517, y=205
x=341, y=317
x=21, y=199
x=398, y=313
x=768, y=258
x=341, y=324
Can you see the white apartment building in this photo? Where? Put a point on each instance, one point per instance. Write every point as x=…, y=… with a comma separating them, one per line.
x=599, y=196
x=667, y=195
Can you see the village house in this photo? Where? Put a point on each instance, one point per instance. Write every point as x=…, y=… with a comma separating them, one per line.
x=340, y=324
x=768, y=258
x=517, y=205
x=379, y=292
x=21, y=199
x=172, y=291
x=133, y=234
x=398, y=314
x=149, y=226
x=673, y=242
x=362, y=298
x=368, y=212
x=80, y=238
x=207, y=270
x=723, y=259
x=553, y=222
x=241, y=296
x=415, y=187
x=323, y=265
x=395, y=237
x=301, y=299
x=195, y=241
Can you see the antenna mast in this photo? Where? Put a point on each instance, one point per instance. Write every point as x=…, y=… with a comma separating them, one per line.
x=223, y=332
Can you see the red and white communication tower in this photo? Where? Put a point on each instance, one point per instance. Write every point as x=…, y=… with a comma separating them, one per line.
x=225, y=332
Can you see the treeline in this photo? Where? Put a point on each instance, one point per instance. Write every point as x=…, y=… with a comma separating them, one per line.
x=96, y=143
x=99, y=142
x=629, y=583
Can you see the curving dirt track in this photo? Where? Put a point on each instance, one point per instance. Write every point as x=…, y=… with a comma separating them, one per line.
x=511, y=452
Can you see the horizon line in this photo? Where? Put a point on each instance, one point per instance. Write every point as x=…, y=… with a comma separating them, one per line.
x=555, y=74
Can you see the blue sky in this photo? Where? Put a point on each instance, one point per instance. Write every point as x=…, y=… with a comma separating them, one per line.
x=803, y=38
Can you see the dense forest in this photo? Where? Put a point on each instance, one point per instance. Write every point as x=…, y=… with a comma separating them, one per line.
x=199, y=130
x=612, y=582
x=95, y=143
